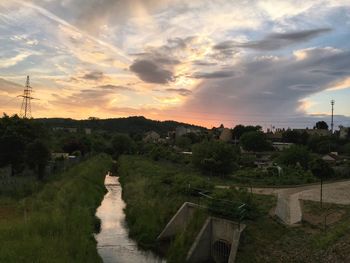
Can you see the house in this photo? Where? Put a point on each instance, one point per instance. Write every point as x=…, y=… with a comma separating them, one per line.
x=226, y=135
x=331, y=158
x=181, y=130
x=152, y=137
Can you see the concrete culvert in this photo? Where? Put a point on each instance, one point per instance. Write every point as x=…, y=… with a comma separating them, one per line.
x=221, y=251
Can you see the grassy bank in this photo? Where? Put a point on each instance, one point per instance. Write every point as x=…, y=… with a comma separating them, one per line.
x=55, y=224
x=154, y=191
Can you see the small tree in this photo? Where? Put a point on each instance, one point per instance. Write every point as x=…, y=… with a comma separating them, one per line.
x=37, y=156
x=321, y=125
x=122, y=144
x=322, y=170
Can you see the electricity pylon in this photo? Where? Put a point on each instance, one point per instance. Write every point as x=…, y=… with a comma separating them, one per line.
x=26, y=108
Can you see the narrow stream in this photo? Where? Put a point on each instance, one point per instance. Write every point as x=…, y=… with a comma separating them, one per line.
x=113, y=243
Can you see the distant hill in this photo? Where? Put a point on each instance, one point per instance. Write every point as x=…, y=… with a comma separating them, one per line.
x=131, y=125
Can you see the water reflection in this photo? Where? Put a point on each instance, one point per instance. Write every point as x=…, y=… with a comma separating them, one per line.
x=113, y=243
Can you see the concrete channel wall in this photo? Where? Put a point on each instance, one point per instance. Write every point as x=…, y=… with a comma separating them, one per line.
x=214, y=231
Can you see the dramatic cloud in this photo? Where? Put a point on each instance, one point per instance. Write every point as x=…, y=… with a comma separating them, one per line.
x=272, y=41
x=149, y=71
x=276, y=89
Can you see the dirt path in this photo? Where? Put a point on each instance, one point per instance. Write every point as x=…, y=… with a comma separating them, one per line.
x=336, y=192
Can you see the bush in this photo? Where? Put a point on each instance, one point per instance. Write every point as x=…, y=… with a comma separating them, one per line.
x=294, y=155
x=254, y=141
x=214, y=157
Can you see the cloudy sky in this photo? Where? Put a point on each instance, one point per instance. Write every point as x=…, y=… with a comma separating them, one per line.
x=267, y=62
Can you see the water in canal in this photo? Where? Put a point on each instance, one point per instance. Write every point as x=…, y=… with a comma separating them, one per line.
x=113, y=243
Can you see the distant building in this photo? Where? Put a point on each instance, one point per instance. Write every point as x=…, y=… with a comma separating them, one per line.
x=55, y=156
x=226, y=135
x=181, y=130
x=312, y=132
x=280, y=146
x=151, y=137
x=276, y=136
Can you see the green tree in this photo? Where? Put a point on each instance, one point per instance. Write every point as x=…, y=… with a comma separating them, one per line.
x=15, y=135
x=346, y=149
x=321, y=125
x=254, y=141
x=37, y=156
x=215, y=157
x=294, y=155
x=239, y=130
x=183, y=142
x=293, y=136
x=122, y=144
x=321, y=170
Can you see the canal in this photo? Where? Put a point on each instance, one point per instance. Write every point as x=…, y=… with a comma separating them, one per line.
x=113, y=242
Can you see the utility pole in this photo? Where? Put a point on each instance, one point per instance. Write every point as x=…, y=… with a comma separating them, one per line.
x=332, y=124
x=26, y=108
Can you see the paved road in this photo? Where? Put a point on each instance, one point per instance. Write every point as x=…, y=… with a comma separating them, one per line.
x=337, y=192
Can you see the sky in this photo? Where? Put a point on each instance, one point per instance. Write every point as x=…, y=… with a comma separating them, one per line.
x=268, y=62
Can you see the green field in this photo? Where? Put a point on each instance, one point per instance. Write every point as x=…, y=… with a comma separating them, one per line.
x=56, y=224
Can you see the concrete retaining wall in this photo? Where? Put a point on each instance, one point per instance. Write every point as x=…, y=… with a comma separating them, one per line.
x=213, y=230
x=179, y=221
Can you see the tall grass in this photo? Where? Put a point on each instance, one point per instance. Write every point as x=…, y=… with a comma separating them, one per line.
x=57, y=223
x=153, y=192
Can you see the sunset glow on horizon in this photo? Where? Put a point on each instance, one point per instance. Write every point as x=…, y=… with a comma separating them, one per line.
x=205, y=62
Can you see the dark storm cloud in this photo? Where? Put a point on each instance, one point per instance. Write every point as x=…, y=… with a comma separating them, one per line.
x=271, y=86
x=155, y=64
x=213, y=75
x=94, y=75
x=182, y=92
x=149, y=71
x=273, y=41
